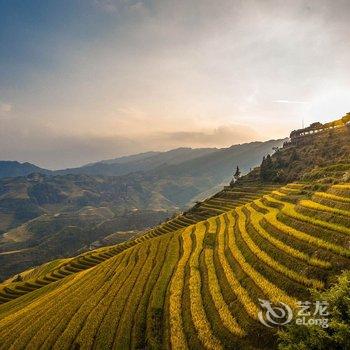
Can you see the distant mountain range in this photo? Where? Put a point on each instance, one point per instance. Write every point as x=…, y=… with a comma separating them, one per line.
x=155, y=180
x=139, y=162
x=111, y=167
x=14, y=169
x=144, y=162
x=67, y=210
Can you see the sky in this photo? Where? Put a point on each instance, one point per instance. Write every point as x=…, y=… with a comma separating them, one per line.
x=85, y=80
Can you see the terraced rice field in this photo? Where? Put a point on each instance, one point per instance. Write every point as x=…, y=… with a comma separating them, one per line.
x=188, y=283
x=227, y=199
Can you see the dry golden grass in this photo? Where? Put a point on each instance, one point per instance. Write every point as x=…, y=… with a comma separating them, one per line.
x=289, y=210
x=255, y=218
x=199, y=318
x=272, y=291
x=268, y=260
x=331, y=196
x=282, y=227
x=227, y=319
x=234, y=284
x=320, y=207
x=177, y=334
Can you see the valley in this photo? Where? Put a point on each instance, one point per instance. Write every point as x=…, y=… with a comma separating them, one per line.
x=64, y=214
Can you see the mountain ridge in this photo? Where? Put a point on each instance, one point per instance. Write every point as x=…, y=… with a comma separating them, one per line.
x=112, y=167
x=67, y=204
x=9, y=168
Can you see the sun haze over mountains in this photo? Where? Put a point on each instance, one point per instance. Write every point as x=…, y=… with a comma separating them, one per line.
x=88, y=80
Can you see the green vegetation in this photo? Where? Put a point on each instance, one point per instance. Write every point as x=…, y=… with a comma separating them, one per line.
x=337, y=335
x=323, y=156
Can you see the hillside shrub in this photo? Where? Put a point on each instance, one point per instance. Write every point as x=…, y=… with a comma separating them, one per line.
x=337, y=335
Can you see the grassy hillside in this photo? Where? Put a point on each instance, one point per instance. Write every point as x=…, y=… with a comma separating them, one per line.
x=301, y=155
x=48, y=217
x=192, y=286
x=55, y=236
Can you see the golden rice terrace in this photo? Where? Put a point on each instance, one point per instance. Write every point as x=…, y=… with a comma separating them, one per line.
x=193, y=282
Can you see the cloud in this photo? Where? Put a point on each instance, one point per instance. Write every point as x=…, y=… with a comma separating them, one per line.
x=116, y=6
x=222, y=136
x=62, y=151
x=138, y=6
x=130, y=75
x=5, y=109
x=290, y=102
x=45, y=148
x=106, y=5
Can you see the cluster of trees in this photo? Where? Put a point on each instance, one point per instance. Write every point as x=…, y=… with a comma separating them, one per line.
x=277, y=168
x=337, y=335
x=290, y=163
x=267, y=168
x=236, y=176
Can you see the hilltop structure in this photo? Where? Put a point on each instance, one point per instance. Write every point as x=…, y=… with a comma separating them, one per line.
x=296, y=135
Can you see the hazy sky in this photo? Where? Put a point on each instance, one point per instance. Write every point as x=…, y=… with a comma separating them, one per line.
x=83, y=80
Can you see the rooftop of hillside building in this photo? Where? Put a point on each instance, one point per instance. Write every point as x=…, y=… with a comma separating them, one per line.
x=319, y=127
